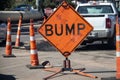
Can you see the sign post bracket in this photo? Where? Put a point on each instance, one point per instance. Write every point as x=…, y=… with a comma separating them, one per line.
x=67, y=67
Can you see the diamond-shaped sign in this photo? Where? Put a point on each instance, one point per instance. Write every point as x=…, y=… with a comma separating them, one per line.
x=65, y=29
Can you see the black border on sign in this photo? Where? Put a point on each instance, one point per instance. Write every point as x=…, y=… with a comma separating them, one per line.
x=77, y=14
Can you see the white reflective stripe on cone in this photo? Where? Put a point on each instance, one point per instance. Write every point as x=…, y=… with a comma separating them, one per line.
x=8, y=43
x=18, y=28
x=17, y=36
x=8, y=32
x=117, y=38
x=117, y=54
x=32, y=38
x=33, y=51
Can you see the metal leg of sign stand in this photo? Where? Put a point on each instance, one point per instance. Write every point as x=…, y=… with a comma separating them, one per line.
x=67, y=67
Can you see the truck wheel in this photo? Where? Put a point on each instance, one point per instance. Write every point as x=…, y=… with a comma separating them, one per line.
x=112, y=42
x=3, y=41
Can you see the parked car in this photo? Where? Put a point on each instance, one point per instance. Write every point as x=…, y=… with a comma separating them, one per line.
x=23, y=7
x=3, y=31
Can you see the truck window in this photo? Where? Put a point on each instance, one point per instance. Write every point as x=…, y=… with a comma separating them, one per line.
x=95, y=9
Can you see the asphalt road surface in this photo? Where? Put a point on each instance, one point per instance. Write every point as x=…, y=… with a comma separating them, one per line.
x=98, y=60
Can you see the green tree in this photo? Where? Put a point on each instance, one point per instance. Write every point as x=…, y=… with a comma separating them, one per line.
x=46, y=3
x=49, y=3
x=31, y=2
x=6, y=4
x=54, y=3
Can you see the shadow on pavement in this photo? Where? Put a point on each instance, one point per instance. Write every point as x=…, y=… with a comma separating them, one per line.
x=102, y=72
x=7, y=77
x=43, y=45
x=21, y=44
x=105, y=78
x=109, y=78
x=95, y=47
x=3, y=44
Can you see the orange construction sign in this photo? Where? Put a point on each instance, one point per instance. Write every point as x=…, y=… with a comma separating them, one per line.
x=65, y=29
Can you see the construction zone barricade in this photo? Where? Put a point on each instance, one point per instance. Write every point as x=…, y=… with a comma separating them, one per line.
x=33, y=51
x=8, y=49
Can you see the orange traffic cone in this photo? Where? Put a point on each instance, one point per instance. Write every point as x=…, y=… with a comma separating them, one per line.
x=117, y=50
x=33, y=49
x=8, y=49
x=17, y=43
x=34, y=55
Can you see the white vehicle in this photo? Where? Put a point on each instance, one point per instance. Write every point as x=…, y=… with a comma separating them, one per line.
x=102, y=16
x=3, y=31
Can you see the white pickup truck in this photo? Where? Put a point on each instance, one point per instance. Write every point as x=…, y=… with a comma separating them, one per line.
x=102, y=16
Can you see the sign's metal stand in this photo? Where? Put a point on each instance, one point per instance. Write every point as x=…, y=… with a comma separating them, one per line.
x=67, y=67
